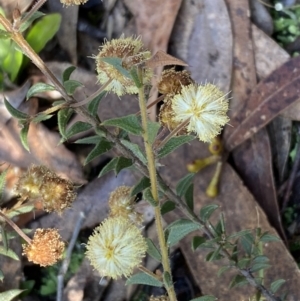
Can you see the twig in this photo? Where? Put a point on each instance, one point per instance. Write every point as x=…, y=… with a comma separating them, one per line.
x=66, y=261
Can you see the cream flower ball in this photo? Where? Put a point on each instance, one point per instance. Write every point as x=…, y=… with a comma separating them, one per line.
x=203, y=107
x=116, y=247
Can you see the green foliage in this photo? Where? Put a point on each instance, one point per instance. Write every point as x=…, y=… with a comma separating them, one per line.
x=129, y=123
x=167, y=207
x=135, y=149
x=140, y=186
x=11, y=59
x=63, y=117
x=2, y=184
x=116, y=164
x=24, y=135
x=38, y=88
x=71, y=85
x=179, y=229
x=147, y=195
x=207, y=211
x=10, y=295
x=101, y=147
x=142, y=278
x=14, y=112
x=173, y=144
x=117, y=63
x=205, y=298
x=153, y=250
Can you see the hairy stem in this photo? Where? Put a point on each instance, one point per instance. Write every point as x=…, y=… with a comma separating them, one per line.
x=154, y=190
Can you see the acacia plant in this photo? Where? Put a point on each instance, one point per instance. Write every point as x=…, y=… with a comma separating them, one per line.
x=189, y=111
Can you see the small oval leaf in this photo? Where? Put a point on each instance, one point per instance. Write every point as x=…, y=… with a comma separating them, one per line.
x=140, y=186
x=142, y=278
x=14, y=112
x=128, y=123
x=102, y=147
x=67, y=73
x=24, y=136
x=71, y=85
x=207, y=211
x=39, y=88
x=153, y=250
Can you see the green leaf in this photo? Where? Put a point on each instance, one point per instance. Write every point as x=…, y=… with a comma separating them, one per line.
x=20, y=210
x=4, y=237
x=142, y=278
x=266, y=237
x=76, y=128
x=147, y=195
x=247, y=242
x=67, y=73
x=260, y=259
x=238, y=281
x=244, y=262
x=94, y=104
x=205, y=298
x=189, y=197
x=214, y=255
x=43, y=31
x=34, y=16
x=207, y=211
x=259, y=266
x=10, y=295
x=179, y=229
x=128, y=123
x=24, y=135
x=135, y=77
x=14, y=112
x=153, y=250
x=9, y=253
x=63, y=117
x=140, y=186
x=239, y=234
x=275, y=286
x=116, y=164
x=167, y=279
x=2, y=183
x=38, y=88
x=184, y=184
x=1, y=276
x=102, y=147
x=197, y=241
x=167, y=207
x=11, y=58
x=172, y=144
x=153, y=128
x=223, y=270
x=41, y=117
x=71, y=85
x=89, y=140
x=135, y=149
x=117, y=63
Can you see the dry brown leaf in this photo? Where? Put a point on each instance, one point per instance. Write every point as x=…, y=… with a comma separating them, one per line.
x=161, y=59
x=202, y=37
x=268, y=57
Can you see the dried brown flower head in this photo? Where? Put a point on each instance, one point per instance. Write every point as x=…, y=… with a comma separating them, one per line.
x=46, y=247
x=39, y=182
x=122, y=204
x=171, y=81
x=166, y=115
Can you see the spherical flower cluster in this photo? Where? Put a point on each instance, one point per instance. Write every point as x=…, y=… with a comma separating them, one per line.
x=131, y=51
x=39, y=182
x=203, y=107
x=122, y=204
x=73, y=2
x=172, y=81
x=116, y=247
x=46, y=247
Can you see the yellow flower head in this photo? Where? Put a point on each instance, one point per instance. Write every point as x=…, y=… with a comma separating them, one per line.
x=116, y=247
x=204, y=107
x=121, y=203
x=46, y=247
x=132, y=53
x=73, y=2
